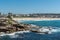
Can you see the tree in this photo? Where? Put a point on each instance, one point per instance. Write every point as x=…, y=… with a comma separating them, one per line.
x=0, y=13
x=9, y=16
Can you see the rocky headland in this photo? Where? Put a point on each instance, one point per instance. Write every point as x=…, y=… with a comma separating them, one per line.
x=9, y=26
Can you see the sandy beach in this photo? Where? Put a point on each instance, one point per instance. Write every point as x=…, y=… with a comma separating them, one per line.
x=36, y=19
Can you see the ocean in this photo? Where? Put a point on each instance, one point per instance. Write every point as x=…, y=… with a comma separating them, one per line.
x=36, y=36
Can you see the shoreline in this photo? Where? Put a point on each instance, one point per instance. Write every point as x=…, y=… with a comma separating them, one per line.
x=35, y=19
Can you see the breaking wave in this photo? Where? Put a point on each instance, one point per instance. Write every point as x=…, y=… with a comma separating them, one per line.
x=55, y=30
x=52, y=31
x=15, y=34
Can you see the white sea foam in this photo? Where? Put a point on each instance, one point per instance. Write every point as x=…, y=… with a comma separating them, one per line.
x=55, y=30
x=15, y=34
x=49, y=31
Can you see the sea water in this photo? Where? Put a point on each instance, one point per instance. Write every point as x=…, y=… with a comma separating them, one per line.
x=36, y=36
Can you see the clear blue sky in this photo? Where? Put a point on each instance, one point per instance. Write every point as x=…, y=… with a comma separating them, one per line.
x=30, y=6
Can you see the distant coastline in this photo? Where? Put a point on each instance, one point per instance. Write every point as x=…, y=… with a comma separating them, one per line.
x=35, y=19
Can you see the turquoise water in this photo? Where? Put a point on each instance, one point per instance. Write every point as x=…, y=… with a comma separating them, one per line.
x=54, y=23
x=36, y=36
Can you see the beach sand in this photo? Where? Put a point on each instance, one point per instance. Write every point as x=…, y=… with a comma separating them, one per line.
x=36, y=19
